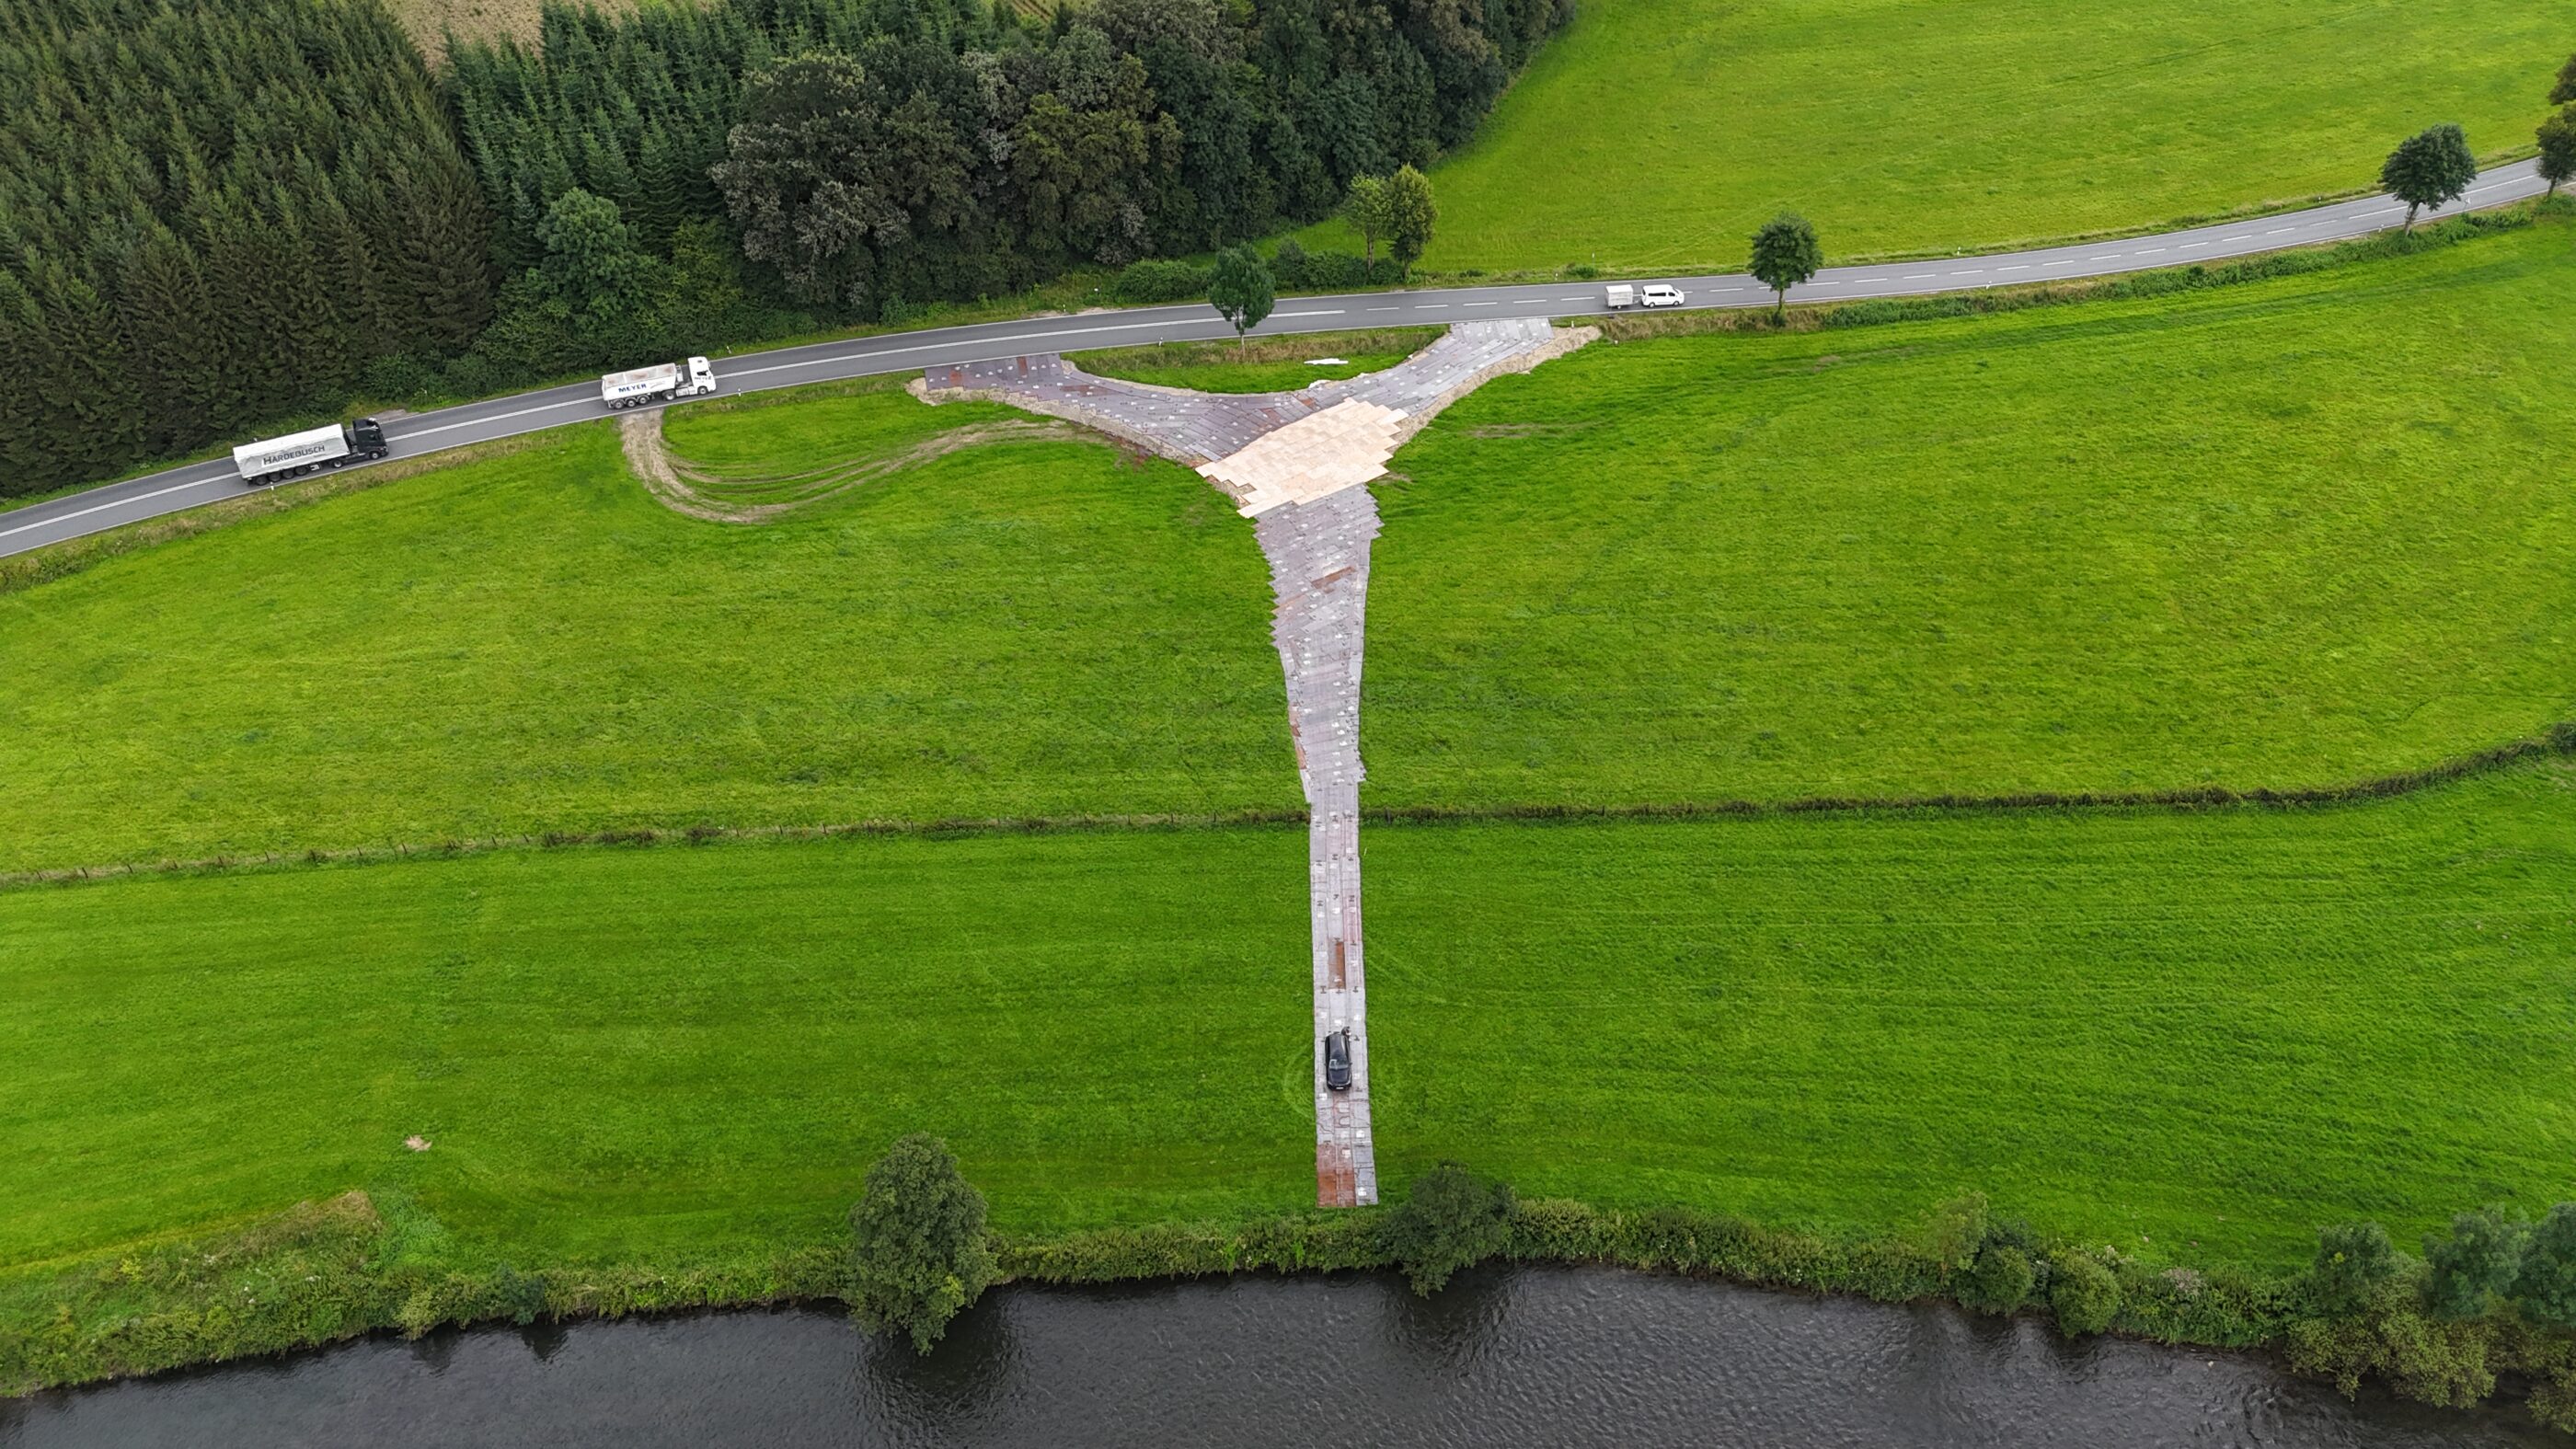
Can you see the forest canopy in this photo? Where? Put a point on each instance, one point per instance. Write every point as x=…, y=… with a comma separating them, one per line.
x=220, y=216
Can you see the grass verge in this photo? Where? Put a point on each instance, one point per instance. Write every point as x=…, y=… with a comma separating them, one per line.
x=1263, y=364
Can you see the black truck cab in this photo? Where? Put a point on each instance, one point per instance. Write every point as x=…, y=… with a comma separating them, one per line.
x=367, y=438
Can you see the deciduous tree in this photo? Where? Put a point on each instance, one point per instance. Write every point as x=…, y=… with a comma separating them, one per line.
x=2433, y=167
x=1365, y=209
x=2558, y=148
x=2544, y=1287
x=917, y=1254
x=1450, y=1219
x=2467, y=1270
x=1410, y=215
x=2353, y=1261
x=2565, y=91
x=1786, y=253
x=803, y=177
x=1241, y=290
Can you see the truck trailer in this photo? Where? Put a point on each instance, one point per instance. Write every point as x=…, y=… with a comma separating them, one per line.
x=659, y=383
x=334, y=445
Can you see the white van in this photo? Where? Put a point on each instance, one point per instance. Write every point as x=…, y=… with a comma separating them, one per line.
x=1659, y=295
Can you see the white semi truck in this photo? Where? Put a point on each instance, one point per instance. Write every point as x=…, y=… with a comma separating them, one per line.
x=659, y=383
x=335, y=445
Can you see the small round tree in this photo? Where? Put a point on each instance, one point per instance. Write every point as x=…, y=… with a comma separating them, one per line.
x=1786, y=253
x=1410, y=216
x=2565, y=90
x=1241, y=290
x=1998, y=1281
x=917, y=1251
x=2085, y=1293
x=2558, y=148
x=2545, y=1285
x=1451, y=1219
x=1365, y=209
x=2433, y=167
x=2465, y=1271
x=2353, y=1261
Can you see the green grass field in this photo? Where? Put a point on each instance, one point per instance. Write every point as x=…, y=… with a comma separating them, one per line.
x=1655, y=135
x=2211, y=1031
x=2297, y=532
x=1271, y=364
x=532, y=643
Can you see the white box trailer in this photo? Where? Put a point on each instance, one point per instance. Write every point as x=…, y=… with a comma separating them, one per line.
x=1622, y=295
x=658, y=383
x=334, y=445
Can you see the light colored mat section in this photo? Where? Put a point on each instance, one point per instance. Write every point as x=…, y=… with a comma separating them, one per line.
x=1344, y=445
x=1297, y=464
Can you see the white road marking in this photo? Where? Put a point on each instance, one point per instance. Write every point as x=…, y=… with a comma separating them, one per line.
x=1480, y=304
x=2022, y=268
x=119, y=503
x=524, y=412
x=2149, y=251
x=2323, y=223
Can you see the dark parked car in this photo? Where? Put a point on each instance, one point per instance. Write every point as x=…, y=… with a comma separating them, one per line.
x=1337, y=1061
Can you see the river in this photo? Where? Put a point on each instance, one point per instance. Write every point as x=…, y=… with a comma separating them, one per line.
x=1531, y=1356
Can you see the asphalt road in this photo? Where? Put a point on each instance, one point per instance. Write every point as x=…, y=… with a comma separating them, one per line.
x=196, y=484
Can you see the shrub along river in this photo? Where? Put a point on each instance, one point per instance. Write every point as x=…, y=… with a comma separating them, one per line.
x=1541, y=1356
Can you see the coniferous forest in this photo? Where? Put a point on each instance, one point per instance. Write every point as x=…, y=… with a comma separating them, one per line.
x=219, y=216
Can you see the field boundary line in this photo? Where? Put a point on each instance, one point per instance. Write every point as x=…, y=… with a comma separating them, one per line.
x=2557, y=742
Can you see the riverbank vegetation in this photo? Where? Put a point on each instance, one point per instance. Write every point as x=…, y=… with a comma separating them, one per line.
x=1668, y=131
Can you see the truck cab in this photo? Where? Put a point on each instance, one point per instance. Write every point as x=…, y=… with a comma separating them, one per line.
x=702, y=377
x=367, y=438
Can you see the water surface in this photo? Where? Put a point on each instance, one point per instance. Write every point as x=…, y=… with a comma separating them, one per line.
x=1535, y=1356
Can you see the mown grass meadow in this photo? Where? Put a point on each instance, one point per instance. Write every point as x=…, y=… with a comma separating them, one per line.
x=532, y=644
x=2291, y=533
x=1656, y=135
x=2193, y=1034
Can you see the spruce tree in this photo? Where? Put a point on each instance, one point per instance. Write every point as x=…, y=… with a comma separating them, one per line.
x=168, y=325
